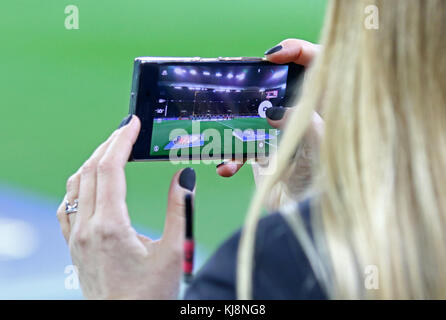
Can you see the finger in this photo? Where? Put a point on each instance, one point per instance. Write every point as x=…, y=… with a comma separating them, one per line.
x=277, y=116
x=63, y=219
x=183, y=182
x=73, y=194
x=87, y=184
x=111, y=185
x=293, y=50
x=228, y=168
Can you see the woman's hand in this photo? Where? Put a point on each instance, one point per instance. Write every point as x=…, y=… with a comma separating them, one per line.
x=291, y=50
x=113, y=260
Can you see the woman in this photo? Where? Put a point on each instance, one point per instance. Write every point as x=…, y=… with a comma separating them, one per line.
x=377, y=227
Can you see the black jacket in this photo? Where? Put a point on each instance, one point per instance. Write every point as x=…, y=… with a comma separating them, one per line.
x=281, y=269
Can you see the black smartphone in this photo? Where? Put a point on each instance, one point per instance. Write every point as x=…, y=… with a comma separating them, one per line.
x=208, y=108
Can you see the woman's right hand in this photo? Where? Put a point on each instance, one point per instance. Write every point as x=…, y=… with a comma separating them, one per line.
x=291, y=50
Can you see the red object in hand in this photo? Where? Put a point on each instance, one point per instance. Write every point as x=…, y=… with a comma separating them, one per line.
x=188, y=262
x=189, y=247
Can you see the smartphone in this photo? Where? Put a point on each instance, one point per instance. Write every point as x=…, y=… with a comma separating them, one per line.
x=208, y=108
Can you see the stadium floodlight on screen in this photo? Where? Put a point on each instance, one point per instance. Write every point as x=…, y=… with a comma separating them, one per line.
x=202, y=108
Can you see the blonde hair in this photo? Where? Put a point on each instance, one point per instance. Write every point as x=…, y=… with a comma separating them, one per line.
x=380, y=171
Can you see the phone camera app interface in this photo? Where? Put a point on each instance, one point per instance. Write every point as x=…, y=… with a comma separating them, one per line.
x=222, y=98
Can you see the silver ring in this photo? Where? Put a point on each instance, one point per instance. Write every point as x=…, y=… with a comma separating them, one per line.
x=69, y=208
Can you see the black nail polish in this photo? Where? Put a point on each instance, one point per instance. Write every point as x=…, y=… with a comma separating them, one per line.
x=275, y=113
x=187, y=179
x=273, y=50
x=125, y=121
x=220, y=164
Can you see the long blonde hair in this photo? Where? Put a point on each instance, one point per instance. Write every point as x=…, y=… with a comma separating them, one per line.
x=380, y=171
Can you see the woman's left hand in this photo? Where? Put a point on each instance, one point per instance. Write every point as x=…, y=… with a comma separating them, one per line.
x=300, y=52
x=113, y=260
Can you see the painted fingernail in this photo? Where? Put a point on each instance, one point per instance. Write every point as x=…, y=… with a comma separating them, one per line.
x=125, y=121
x=220, y=164
x=273, y=50
x=275, y=113
x=187, y=179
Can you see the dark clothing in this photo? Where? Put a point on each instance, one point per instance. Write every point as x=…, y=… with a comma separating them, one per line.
x=281, y=268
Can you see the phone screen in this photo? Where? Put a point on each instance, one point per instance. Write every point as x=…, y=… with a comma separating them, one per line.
x=215, y=109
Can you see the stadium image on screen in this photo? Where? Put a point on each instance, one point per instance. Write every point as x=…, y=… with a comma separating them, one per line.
x=227, y=97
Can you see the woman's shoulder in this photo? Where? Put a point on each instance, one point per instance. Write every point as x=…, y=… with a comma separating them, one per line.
x=281, y=271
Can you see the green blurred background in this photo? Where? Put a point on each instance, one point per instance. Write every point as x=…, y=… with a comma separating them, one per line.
x=64, y=91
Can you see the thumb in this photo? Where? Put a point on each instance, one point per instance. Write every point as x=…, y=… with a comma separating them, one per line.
x=183, y=183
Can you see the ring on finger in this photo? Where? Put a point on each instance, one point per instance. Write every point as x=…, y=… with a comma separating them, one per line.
x=71, y=208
